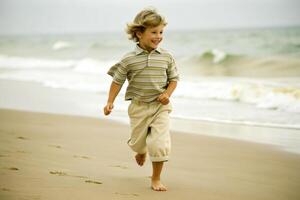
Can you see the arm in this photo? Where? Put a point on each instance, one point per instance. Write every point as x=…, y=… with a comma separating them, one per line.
x=164, y=97
x=113, y=93
x=171, y=87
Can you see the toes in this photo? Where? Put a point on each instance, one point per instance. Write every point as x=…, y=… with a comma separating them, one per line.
x=160, y=188
x=140, y=163
x=154, y=188
x=140, y=159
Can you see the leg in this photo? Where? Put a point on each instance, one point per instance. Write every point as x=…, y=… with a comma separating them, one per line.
x=140, y=157
x=158, y=139
x=156, y=185
x=139, y=131
x=159, y=145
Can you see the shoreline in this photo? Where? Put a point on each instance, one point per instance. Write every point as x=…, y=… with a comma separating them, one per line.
x=53, y=156
x=33, y=97
x=210, y=109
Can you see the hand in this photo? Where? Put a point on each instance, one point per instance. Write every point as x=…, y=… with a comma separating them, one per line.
x=108, y=108
x=163, y=98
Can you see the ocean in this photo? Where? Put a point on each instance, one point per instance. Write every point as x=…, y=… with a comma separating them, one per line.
x=245, y=77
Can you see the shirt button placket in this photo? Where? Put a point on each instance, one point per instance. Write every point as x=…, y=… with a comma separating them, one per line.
x=148, y=59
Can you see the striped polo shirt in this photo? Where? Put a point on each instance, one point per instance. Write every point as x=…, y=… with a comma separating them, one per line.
x=148, y=74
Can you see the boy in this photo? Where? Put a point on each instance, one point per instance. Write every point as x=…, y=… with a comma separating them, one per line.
x=152, y=78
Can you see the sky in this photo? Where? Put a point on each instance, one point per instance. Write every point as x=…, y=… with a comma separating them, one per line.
x=88, y=16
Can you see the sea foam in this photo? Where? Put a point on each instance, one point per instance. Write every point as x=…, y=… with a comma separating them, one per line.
x=12, y=62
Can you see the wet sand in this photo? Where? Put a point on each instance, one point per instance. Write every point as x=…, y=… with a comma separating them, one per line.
x=51, y=156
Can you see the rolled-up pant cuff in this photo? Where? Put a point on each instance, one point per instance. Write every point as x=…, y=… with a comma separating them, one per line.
x=159, y=159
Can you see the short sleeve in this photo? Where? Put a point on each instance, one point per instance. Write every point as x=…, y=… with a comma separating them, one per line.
x=172, y=71
x=118, y=73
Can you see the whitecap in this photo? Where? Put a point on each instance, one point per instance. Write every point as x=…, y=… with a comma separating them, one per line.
x=59, y=45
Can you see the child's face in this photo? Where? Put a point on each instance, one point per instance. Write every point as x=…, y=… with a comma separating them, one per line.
x=151, y=37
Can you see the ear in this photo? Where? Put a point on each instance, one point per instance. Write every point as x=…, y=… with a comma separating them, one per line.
x=139, y=34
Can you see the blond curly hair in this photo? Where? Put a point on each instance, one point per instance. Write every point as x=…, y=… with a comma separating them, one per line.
x=144, y=19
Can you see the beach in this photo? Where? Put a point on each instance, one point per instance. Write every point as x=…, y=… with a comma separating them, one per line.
x=52, y=156
x=234, y=126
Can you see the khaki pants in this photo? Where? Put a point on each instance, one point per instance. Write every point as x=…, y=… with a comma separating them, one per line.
x=150, y=129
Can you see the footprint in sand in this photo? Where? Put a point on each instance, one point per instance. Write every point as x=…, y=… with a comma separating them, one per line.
x=22, y=138
x=119, y=166
x=13, y=168
x=95, y=182
x=127, y=194
x=84, y=157
x=59, y=173
x=5, y=189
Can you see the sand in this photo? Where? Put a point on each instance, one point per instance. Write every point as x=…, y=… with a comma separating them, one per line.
x=51, y=156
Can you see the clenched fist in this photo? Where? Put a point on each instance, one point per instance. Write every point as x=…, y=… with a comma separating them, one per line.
x=108, y=108
x=163, y=98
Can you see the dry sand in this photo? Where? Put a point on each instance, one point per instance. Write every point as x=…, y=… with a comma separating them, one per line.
x=47, y=156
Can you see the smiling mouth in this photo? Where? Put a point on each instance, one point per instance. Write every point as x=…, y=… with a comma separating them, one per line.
x=156, y=42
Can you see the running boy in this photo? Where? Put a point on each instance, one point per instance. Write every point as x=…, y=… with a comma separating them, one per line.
x=152, y=77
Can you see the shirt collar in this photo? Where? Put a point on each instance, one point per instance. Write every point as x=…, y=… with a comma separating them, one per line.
x=139, y=50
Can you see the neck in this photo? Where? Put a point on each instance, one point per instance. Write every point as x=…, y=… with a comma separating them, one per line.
x=145, y=48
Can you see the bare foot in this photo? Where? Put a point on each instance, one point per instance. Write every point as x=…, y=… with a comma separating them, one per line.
x=140, y=159
x=156, y=185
